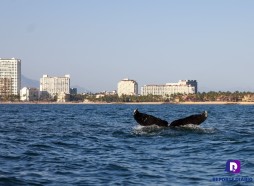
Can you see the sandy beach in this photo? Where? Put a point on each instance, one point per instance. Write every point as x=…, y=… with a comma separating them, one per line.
x=217, y=103
x=138, y=103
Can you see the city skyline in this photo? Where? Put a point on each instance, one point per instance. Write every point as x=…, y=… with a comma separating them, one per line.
x=102, y=42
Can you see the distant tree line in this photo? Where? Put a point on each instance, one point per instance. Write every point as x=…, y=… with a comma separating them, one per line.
x=213, y=96
x=11, y=98
x=125, y=98
x=199, y=97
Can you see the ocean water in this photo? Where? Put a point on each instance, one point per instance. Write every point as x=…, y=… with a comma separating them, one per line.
x=103, y=145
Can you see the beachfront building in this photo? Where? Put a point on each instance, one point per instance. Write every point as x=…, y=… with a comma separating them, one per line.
x=63, y=97
x=10, y=76
x=182, y=87
x=248, y=98
x=54, y=86
x=29, y=94
x=127, y=87
x=73, y=91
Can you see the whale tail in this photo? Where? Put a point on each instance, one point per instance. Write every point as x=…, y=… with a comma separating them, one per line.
x=195, y=119
x=147, y=120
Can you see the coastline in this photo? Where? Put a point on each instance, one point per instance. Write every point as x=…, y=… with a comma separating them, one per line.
x=131, y=103
x=217, y=103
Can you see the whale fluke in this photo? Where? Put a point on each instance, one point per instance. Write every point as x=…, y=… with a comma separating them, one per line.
x=196, y=119
x=147, y=120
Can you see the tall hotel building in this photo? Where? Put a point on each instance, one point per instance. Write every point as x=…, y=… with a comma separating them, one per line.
x=52, y=86
x=127, y=87
x=182, y=87
x=10, y=76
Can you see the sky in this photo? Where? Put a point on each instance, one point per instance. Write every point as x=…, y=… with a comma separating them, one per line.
x=100, y=42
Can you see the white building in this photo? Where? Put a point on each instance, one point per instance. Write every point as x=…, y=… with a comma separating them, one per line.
x=63, y=97
x=10, y=76
x=127, y=87
x=182, y=87
x=53, y=86
x=29, y=94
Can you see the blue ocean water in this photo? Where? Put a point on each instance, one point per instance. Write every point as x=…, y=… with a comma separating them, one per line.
x=103, y=145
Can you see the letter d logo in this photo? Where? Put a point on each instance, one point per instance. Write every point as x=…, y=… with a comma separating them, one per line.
x=233, y=166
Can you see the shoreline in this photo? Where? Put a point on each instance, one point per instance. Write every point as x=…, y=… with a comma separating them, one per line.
x=130, y=103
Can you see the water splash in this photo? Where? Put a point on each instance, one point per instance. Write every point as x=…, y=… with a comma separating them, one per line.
x=197, y=129
x=146, y=130
x=156, y=130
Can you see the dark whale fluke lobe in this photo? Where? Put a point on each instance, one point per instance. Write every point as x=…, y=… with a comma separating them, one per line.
x=196, y=119
x=147, y=120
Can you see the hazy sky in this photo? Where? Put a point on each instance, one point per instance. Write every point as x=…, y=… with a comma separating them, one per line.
x=100, y=42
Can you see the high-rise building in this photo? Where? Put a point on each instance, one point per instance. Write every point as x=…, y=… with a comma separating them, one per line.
x=10, y=76
x=52, y=86
x=182, y=87
x=127, y=87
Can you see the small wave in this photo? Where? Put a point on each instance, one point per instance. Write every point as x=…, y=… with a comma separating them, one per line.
x=11, y=180
x=117, y=167
x=121, y=134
